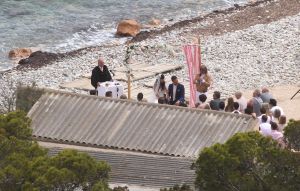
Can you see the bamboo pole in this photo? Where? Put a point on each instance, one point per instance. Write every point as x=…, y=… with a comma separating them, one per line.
x=129, y=85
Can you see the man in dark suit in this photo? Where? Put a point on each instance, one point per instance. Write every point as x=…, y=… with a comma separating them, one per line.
x=176, y=92
x=100, y=74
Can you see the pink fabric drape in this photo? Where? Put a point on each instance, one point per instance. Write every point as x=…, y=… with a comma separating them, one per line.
x=193, y=60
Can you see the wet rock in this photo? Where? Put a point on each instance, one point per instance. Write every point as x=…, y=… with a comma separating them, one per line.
x=19, y=53
x=128, y=28
x=39, y=58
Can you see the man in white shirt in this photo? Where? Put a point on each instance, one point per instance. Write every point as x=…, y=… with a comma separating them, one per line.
x=265, y=128
x=241, y=100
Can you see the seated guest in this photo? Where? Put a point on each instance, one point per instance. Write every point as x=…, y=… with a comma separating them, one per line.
x=123, y=96
x=263, y=111
x=265, y=127
x=249, y=111
x=108, y=94
x=176, y=92
x=265, y=95
x=207, y=107
x=241, y=100
x=202, y=99
x=282, y=123
x=93, y=92
x=229, y=106
x=162, y=100
x=236, y=107
x=275, y=116
x=214, y=104
x=273, y=107
x=275, y=133
x=222, y=106
x=140, y=97
x=100, y=74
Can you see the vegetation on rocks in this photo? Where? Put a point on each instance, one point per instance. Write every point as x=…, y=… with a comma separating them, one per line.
x=292, y=135
x=183, y=187
x=248, y=161
x=27, y=96
x=24, y=165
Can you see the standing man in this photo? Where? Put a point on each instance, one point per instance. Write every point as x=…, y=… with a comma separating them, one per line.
x=215, y=103
x=100, y=74
x=256, y=102
x=202, y=81
x=176, y=92
x=265, y=95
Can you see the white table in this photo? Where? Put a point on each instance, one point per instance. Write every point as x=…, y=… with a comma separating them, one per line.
x=115, y=87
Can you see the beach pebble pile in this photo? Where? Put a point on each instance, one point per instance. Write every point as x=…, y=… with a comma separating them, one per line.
x=262, y=55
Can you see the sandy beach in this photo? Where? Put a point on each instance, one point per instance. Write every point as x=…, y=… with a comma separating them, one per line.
x=243, y=47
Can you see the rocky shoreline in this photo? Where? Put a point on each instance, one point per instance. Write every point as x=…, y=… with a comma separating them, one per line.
x=240, y=55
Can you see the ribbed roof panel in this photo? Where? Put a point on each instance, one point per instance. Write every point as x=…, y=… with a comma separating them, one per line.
x=130, y=125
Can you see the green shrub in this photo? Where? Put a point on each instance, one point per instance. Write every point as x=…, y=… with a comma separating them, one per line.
x=247, y=161
x=24, y=165
x=184, y=187
x=292, y=135
x=27, y=96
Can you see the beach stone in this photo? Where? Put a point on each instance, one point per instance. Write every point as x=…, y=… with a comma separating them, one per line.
x=217, y=69
x=128, y=28
x=154, y=22
x=19, y=53
x=39, y=58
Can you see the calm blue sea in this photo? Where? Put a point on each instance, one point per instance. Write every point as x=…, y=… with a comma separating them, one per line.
x=64, y=25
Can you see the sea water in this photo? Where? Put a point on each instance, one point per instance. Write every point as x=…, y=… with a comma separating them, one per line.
x=64, y=25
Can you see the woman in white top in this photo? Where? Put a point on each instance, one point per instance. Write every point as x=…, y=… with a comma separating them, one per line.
x=160, y=89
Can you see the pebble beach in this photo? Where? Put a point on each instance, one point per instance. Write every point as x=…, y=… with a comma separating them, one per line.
x=260, y=55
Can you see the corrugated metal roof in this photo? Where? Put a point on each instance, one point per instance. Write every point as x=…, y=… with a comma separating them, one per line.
x=123, y=124
x=138, y=169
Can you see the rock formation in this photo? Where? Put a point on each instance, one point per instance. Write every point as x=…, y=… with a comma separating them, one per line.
x=128, y=28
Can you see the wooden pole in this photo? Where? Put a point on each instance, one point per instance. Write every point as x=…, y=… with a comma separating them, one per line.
x=129, y=85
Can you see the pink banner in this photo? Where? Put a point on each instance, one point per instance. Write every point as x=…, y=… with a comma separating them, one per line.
x=193, y=59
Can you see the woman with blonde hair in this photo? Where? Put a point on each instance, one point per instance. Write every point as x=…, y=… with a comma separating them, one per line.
x=281, y=123
x=203, y=82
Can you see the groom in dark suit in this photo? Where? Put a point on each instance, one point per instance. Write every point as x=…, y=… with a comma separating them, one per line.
x=176, y=92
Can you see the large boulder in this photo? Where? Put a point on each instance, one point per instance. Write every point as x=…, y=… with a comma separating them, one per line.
x=128, y=28
x=19, y=53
